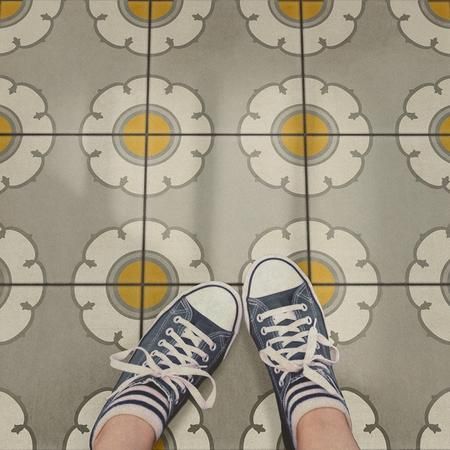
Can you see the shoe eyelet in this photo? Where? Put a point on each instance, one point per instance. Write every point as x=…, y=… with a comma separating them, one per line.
x=303, y=307
x=205, y=359
x=281, y=383
x=176, y=319
x=213, y=347
x=276, y=370
x=263, y=331
x=160, y=343
x=309, y=320
x=153, y=353
x=259, y=318
x=169, y=331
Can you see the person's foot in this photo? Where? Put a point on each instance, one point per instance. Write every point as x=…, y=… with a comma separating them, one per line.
x=183, y=346
x=287, y=324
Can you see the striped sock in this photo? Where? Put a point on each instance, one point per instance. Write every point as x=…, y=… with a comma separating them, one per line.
x=305, y=395
x=146, y=401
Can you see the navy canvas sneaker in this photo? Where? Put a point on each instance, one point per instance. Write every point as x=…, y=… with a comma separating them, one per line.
x=287, y=324
x=183, y=346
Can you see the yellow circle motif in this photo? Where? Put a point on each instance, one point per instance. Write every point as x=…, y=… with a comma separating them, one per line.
x=440, y=8
x=310, y=8
x=10, y=8
x=295, y=144
x=153, y=273
x=160, y=8
x=322, y=274
x=444, y=128
x=5, y=127
x=157, y=145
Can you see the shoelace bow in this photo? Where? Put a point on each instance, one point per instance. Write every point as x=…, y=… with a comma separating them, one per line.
x=281, y=360
x=177, y=374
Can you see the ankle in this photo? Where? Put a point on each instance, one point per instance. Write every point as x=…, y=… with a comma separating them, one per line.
x=325, y=418
x=120, y=429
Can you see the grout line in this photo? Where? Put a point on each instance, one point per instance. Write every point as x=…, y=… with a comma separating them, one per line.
x=144, y=198
x=231, y=283
x=305, y=140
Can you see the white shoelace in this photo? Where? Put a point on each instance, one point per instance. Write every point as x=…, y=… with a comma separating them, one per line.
x=280, y=359
x=177, y=375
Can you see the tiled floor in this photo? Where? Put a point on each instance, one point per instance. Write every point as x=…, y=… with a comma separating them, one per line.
x=143, y=150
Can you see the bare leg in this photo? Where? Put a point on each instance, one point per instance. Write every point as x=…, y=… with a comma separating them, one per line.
x=325, y=429
x=125, y=432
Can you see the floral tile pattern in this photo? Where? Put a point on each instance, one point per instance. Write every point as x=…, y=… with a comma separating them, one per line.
x=149, y=145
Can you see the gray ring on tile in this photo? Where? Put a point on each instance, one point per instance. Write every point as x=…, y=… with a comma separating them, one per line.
x=5, y=277
x=324, y=12
x=275, y=9
x=431, y=15
x=174, y=140
x=324, y=154
x=445, y=278
x=16, y=126
x=339, y=291
x=322, y=16
x=132, y=257
x=25, y=7
x=168, y=439
x=435, y=125
x=176, y=6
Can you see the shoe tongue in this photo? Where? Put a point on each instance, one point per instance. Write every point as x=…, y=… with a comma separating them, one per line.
x=278, y=300
x=204, y=324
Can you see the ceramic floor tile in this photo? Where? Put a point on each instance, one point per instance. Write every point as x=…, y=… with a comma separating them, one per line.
x=66, y=354
x=73, y=66
x=226, y=67
x=71, y=210
x=380, y=214
x=220, y=203
x=389, y=63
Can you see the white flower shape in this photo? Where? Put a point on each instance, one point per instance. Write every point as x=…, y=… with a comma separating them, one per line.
x=432, y=265
x=177, y=24
x=185, y=432
x=326, y=23
x=15, y=433
x=274, y=23
x=436, y=431
x=22, y=110
x=427, y=109
x=264, y=430
x=18, y=264
x=337, y=257
x=329, y=24
x=114, y=256
x=173, y=158
x=24, y=23
x=426, y=23
x=174, y=23
x=277, y=160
